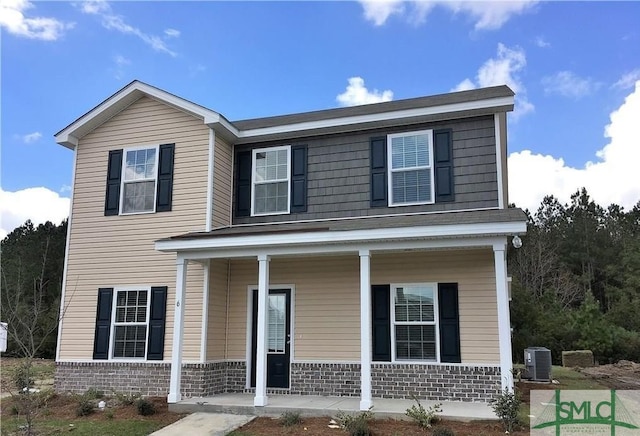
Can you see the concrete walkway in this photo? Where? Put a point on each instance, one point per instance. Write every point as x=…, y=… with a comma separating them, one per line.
x=308, y=405
x=204, y=424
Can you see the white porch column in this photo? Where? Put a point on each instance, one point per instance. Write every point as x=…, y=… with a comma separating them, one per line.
x=261, y=352
x=178, y=328
x=365, y=330
x=504, y=323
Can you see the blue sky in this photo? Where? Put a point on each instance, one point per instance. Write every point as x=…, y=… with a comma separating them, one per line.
x=574, y=66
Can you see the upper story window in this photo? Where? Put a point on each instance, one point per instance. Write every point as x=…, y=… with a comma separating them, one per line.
x=271, y=179
x=140, y=170
x=411, y=168
x=139, y=180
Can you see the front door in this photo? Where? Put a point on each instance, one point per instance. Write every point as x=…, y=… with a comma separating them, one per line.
x=278, y=338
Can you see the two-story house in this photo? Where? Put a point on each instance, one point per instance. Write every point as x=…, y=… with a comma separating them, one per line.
x=347, y=252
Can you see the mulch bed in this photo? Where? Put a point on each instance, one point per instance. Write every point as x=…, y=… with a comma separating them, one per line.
x=380, y=427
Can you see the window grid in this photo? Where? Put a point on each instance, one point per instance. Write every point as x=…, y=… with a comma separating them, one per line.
x=271, y=180
x=130, y=324
x=410, y=168
x=415, y=322
x=140, y=170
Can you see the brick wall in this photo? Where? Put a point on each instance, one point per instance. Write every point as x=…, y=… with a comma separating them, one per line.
x=329, y=379
x=435, y=382
x=388, y=380
x=397, y=380
x=149, y=379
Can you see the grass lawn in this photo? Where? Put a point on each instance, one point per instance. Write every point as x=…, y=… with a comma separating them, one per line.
x=80, y=427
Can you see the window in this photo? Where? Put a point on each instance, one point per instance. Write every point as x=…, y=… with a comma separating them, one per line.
x=271, y=180
x=130, y=324
x=276, y=331
x=415, y=322
x=411, y=168
x=140, y=169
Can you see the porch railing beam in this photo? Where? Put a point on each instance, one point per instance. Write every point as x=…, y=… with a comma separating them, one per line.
x=504, y=320
x=178, y=328
x=261, y=352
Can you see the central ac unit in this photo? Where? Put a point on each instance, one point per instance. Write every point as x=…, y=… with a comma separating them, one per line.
x=537, y=364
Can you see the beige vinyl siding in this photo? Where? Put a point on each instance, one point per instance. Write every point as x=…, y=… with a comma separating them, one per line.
x=326, y=301
x=473, y=270
x=119, y=250
x=216, y=327
x=222, y=180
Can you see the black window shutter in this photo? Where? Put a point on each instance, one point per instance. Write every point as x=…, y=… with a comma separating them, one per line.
x=165, y=178
x=379, y=172
x=298, y=178
x=443, y=168
x=449, y=323
x=103, y=324
x=155, y=348
x=243, y=183
x=381, y=322
x=114, y=171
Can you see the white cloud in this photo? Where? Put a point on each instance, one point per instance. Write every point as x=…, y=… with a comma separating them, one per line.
x=487, y=15
x=37, y=204
x=171, y=33
x=112, y=21
x=31, y=137
x=378, y=11
x=568, y=84
x=120, y=64
x=628, y=80
x=503, y=69
x=356, y=94
x=541, y=42
x=12, y=18
x=612, y=178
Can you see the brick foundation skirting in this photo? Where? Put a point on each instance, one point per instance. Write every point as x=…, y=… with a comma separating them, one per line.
x=388, y=380
x=438, y=382
x=149, y=379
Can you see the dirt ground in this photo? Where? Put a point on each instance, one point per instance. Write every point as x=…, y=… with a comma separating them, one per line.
x=621, y=375
x=386, y=427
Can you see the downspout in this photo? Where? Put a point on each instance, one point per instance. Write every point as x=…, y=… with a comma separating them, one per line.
x=204, y=329
x=66, y=256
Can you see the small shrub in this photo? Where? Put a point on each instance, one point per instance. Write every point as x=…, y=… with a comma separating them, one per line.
x=424, y=418
x=93, y=394
x=109, y=414
x=506, y=407
x=443, y=431
x=356, y=425
x=289, y=418
x=22, y=376
x=85, y=407
x=126, y=399
x=145, y=407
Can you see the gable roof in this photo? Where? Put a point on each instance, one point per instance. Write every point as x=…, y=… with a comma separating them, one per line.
x=443, y=106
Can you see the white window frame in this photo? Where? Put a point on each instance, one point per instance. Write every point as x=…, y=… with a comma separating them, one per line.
x=254, y=182
x=435, y=322
x=123, y=181
x=390, y=169
x=112, y=340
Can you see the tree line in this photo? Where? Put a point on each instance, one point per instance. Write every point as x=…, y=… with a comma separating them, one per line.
x=576, y=282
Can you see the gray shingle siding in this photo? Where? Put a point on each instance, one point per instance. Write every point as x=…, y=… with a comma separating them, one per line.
x=338, y=177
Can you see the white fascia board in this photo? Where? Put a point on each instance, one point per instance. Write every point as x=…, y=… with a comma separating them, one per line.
x=383, y=116
x=122, y=98
x=342, y=236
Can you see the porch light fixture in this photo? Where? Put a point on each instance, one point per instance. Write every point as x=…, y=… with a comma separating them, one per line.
x=516, y=241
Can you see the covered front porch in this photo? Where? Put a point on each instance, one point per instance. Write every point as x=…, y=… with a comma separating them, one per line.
x=311, y=405
x=355, y=256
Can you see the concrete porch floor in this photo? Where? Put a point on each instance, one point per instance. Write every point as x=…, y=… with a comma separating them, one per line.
x=308, y=405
